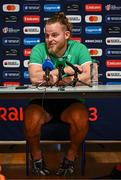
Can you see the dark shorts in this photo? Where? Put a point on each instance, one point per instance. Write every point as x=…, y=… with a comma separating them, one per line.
x=55, y=106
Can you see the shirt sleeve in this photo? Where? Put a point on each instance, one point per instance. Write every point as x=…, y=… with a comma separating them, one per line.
x=36, y=56
x=84, y=55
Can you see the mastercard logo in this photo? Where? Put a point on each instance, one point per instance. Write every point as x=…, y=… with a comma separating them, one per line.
x=93, y=18
x=11, y=7
x=95, y=52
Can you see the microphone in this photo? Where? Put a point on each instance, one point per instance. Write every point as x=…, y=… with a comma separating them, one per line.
x=47, y=66
x=76, y=69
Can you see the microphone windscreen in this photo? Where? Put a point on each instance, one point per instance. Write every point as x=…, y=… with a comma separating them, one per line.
x=47, y=65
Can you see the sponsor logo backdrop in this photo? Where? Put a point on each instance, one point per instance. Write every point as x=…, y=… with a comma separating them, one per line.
x=97, y=24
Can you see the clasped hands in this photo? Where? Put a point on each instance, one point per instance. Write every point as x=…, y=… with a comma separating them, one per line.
x=54, y=77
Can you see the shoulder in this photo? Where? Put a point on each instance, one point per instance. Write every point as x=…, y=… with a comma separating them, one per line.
x=39, y=46
x=39, y=49
x=76, y=44
x=38, y=53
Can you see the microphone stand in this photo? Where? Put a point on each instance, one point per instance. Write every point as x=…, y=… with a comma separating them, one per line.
x=46, y=81
x=47, y=78
x=75, y=79
x=60, y=70
x=60, y=73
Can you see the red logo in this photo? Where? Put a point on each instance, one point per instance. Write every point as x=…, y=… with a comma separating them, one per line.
x=93, y=51
x=11, y=7
x=31, y=19
x=113, y=63
x=11, y=84
x=78, y=39
x=11, y=114
x=93, y=7
x=27, y=52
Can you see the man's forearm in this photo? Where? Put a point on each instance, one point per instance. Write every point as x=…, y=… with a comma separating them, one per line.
x=37, y=78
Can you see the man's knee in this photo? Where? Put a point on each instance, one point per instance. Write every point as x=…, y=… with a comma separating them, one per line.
x=77, y=113
x=33, y=118
x=34, y=113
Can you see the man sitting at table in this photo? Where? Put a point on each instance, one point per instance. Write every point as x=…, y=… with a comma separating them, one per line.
x=57, y=48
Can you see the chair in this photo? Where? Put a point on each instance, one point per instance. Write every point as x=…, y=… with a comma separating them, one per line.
x=49, y=131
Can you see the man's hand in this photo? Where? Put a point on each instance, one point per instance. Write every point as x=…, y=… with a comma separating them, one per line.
x=70, y=71
x=53, y=76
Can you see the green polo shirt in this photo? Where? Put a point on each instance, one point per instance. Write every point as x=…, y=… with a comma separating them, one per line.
x=76, y=53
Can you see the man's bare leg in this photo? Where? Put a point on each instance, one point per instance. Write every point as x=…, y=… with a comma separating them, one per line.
x=76, y=116
x=34, y=117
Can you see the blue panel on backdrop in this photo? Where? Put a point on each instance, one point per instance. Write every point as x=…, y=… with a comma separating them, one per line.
x=108, y=119
x=11, y=119
x=105, y=120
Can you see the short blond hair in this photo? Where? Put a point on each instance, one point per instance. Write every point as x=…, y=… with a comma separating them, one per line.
x=62, y=19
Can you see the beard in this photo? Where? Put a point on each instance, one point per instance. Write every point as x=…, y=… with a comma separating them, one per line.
x=55, y=49
x=52, y=49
